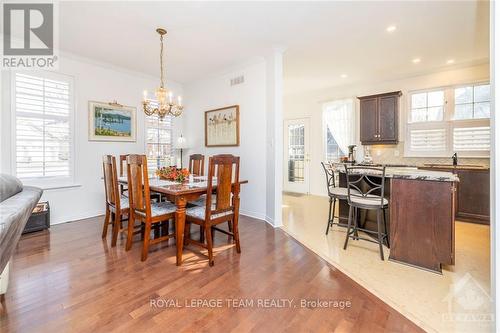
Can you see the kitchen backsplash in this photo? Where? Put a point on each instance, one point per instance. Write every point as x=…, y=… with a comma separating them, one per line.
x=386, y=155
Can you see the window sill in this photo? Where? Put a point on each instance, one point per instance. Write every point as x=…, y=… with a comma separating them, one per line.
x=50, y=187
x=59, y=187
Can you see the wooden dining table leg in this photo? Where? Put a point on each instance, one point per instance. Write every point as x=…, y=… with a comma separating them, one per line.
x=180, y=222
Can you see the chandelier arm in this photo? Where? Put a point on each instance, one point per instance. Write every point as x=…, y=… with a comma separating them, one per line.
x=148, y=110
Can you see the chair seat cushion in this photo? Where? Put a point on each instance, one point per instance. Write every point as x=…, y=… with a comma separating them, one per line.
x=202, y=200
x=369, y=200
x=198, y=212
x=160, y=208
x=124, y=202
x=340, y=192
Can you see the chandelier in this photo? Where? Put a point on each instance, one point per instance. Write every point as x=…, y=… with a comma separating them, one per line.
x=164, y=103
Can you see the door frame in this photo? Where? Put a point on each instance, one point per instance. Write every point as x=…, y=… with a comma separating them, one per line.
x=307, y=155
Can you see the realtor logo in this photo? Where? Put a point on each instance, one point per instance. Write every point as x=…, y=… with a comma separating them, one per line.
x=28, y=35
x=468, y=302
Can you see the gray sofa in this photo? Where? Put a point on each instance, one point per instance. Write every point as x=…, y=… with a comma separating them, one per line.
x=16, y=204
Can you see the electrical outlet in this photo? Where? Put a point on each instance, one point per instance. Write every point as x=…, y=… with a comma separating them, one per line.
x=396, y=153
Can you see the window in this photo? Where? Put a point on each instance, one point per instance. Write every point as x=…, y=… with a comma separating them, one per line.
x=338, y=122
x=159, y=142
x=472, y=102
x=427, y=106
x=43, y=112
x=447, y=120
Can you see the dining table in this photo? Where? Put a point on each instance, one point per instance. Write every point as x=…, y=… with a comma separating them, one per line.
x=180, y=194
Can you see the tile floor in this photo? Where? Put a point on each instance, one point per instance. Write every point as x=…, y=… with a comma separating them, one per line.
x=457, y=301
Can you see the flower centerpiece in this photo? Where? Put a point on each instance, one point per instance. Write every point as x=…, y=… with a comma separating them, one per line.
x=173, y=173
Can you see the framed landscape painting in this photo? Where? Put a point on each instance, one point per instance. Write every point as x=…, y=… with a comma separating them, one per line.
x=222, y=127
x=111, y=122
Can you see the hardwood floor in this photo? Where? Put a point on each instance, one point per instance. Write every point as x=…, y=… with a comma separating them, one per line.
x=68, y=279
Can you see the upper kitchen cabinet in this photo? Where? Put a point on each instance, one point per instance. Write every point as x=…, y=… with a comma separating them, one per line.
x=379, y=118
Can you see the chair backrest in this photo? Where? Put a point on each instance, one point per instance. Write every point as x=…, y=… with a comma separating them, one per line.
x=111, y=181
x=197, y=164
x=226, y=168
x=330, y=177
x=123, y=171
x=138, y=184
x=364, y=181
x=123, y=161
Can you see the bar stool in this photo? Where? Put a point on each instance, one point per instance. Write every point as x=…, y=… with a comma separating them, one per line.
x=365, y=190
x=334, y=193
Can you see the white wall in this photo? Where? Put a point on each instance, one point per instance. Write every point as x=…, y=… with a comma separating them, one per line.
x=98, y=82
x=495, y=162
x=309, y=104
x=274, y=133
x=216, y=92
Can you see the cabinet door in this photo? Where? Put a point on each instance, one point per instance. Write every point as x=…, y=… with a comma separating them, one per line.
x=474, y=196
x=368, y=120
x=388, y=118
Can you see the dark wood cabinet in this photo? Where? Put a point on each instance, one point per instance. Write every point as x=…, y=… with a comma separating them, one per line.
x=422, y=223
x=473, y=192
x=473, y=200
x=368, y=116
x=379, y=118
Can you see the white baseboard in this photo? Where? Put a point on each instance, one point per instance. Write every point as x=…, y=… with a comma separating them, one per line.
x=252, y=214
x=76, y=217
x=83, y=216
x=270, y=221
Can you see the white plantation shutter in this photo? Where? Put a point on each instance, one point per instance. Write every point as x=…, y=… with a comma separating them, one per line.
x=447, y=120
x=428, y=140
x=471, y=139
x=43, y=110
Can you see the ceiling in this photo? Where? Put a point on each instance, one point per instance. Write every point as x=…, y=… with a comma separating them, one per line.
x=322, y=39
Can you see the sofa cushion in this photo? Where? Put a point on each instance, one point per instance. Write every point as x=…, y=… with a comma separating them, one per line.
x=9, y=186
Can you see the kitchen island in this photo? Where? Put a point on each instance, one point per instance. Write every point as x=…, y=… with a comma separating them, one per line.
x=420, y=217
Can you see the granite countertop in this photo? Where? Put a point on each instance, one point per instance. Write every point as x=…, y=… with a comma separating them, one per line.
x=455, y=167
x=414, y=173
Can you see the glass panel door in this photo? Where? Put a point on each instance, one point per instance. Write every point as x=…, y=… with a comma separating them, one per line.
x=296, y=155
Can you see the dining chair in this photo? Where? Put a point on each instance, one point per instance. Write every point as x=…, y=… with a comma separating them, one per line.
x=222, y=207
x=141, y=208
x=197, y=168
x=123, y=161
x=197, y=164
x=117, y=205
x=365, y=190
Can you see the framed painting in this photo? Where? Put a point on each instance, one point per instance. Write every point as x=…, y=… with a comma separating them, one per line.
x=222, y=127
x=112, y=122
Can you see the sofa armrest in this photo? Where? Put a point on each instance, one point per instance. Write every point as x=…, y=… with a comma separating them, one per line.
x=14, y=213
